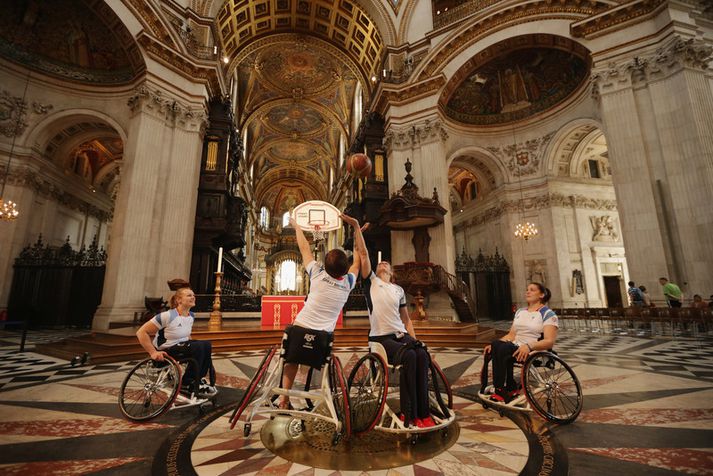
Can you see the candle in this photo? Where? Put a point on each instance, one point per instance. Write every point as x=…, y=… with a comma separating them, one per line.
x=220, y=259
x=378, y=260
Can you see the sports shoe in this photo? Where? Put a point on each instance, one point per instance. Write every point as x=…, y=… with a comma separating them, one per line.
x=501, y=396
x=206, y=390
x=425, y=422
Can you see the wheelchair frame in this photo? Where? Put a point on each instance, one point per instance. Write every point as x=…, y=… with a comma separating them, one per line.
x=386, y=419
x=265, y=388
x=160, y=384
x=532, y=392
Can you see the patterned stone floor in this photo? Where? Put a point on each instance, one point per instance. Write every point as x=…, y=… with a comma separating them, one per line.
x=648, y=410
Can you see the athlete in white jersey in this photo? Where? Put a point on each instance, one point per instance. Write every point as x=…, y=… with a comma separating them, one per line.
x=330, y=285
x=529, y=324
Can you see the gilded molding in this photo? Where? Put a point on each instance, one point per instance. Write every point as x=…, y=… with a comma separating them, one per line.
x=177, y=61
x=517, y=14
x=615, y=18
x=668, y=59
x=413, y=136
x=150, y=18
x=171, y=110
x=408, y=93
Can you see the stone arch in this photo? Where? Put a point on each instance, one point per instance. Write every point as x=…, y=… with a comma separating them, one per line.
x=41, y=133
x=485, y=30
x=482, y=163
x=565, y=146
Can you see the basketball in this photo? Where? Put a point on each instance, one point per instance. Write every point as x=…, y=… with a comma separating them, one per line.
x=359, y=165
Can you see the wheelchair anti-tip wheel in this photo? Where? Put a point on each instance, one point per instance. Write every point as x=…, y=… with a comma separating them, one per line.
x=254, y=387
x=552, y=388
x=340, y=398
x=150, y=389
x=368, y=384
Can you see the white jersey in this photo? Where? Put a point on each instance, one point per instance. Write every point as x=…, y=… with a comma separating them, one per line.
x=172, y=328
x=384, y=301
x=529, y=325
x=327, y=296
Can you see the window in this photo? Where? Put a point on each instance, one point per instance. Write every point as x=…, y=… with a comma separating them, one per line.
x=288, y=273
x=264, y=218
x=285, y=219
x=594, y=169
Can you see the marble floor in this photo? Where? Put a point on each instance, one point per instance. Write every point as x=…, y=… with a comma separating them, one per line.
x=648, y=410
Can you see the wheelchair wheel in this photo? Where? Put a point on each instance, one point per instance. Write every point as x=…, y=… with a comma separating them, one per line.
x=439, y=389
x=552, y=388
x=149, y=389
x=368, y=386
x=340, y=395
x=254, y=387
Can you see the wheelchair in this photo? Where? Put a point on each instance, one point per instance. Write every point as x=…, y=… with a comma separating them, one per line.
x=548, y=386
x=329, y=402
x=369, y=389
x=153, y=387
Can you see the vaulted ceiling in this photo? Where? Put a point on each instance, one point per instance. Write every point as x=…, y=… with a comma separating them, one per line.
x=298, y=64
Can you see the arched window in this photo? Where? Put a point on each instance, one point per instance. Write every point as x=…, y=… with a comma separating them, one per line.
x=288, y=275
x=285, y=219
x=264, y=218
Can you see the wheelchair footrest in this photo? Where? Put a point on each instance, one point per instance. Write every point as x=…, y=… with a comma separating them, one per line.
x=315, y=396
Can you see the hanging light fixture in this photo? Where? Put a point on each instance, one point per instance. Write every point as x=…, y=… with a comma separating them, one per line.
x=524, y=229
x=8, y=208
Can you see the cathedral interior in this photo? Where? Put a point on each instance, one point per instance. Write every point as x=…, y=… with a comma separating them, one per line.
x=146, y=145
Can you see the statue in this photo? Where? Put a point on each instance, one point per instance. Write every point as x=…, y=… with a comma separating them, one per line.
x=604, y=229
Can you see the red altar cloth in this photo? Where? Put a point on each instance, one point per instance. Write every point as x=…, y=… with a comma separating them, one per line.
x=280, y=311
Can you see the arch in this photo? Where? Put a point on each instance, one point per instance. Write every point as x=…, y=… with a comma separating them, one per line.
x=40, y=134
x=375, y=8
x=492, y=26
x=258, y=112
x=560, y=149
x=485, y=159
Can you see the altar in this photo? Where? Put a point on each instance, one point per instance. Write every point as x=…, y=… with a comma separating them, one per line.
x=280, y=311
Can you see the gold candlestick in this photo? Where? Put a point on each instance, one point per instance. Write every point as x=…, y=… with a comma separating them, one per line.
x=216, y=317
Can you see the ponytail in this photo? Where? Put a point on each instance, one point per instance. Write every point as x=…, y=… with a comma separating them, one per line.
x=547, y=293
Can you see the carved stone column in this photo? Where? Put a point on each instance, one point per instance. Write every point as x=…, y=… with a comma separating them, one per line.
x=152, y=231
x=424, y=144
x=657, y=109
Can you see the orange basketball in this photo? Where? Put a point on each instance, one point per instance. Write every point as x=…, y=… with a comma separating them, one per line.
x=359, y=164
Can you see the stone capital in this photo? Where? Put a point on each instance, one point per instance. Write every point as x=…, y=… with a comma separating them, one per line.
x=676, y=54
x=173, y=112
x=415, y=135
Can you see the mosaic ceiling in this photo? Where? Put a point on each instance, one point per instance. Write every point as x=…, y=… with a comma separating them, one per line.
x=298, y=64
x=295, y=99
x=516, y=79
x=73, y=39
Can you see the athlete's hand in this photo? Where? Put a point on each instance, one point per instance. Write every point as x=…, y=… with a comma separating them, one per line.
x=293, y=222
x=365, y=227
x=158, y=355
x=486, y=349
x=350, y=221
x=521, y=353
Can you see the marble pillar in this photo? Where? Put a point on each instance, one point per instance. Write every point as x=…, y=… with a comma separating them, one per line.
x=151, y=235
x=656, y=110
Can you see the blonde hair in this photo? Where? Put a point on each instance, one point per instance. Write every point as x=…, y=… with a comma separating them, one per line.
x=173, y=302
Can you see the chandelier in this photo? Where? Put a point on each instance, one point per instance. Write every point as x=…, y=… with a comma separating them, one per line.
x=525, y=230
x=8, y=208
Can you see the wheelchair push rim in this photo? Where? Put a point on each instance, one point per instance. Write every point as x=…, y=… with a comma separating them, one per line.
x=368, y=388
x=340, y=395
x=149, y=389
x=552, y=388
